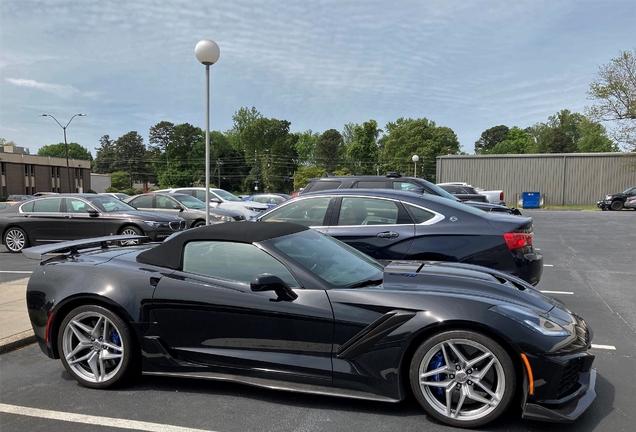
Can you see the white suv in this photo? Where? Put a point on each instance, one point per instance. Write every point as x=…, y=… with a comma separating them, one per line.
x=222, y=199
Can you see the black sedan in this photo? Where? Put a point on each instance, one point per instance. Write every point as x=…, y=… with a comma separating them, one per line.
x=305, y=312
x=396, y=225
x=55, y=218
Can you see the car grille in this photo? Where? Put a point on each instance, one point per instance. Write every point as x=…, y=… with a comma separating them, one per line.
x=570, y=377
x=177, y=225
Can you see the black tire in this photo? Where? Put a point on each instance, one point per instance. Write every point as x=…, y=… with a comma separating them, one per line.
x=462, y=378
x=15, y=239
x=97, y=363
x=130, y=230
x=198, y=224
x=616, y=205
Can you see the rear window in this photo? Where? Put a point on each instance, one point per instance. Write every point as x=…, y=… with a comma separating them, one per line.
x=324, y=185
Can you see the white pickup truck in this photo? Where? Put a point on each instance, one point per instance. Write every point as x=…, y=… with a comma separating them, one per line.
x=493, y=196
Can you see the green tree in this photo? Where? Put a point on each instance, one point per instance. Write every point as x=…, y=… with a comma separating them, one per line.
x=159, y=138
x=130, y=153
x=75, y=151
x=242, y=118
x=329, y=148
x=362, y=153
x=490, y=138
x=120, y=180
x=614, y=91
x=594, y=138
x=517, y=142
x=422, y=137
x=303, y=174
x=306, y=145
x=4, y=142
x=271, y=151
x=106, y=156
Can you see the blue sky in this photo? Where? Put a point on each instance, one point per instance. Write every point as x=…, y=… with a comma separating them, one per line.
x=468, y=65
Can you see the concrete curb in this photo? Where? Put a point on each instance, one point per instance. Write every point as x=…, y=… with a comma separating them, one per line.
x=16, y=341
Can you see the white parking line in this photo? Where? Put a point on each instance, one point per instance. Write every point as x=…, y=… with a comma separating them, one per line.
x=607, y=347
x=94, y=420
x=15, y=271
x=558, y=292
x=548, y=265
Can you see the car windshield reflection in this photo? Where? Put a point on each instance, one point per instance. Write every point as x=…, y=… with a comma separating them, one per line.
x=336, y=263
x=109, y=204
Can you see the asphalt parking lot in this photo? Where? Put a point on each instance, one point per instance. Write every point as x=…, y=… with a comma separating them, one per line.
x=589, y=258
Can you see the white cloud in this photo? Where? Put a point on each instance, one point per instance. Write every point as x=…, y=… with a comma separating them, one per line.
x=58, y=89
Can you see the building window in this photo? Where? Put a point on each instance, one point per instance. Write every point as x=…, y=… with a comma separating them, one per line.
x=2, y=167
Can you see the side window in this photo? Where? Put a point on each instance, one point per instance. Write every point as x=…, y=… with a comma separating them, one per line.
x=399, y=185
x=218, y=260
x=200, y=194
x=74, y=205
x=50, y=205
x=368, y=211
x=419, y=214
x=142, y=201
x=28, y=207
x=165, y=203
x=307, y=212
x=325, y=185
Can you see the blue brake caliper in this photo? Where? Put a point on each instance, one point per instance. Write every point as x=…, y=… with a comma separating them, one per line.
x=436, y=362
x=114, y=337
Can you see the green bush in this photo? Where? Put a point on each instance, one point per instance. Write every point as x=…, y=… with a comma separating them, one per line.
x=138, y=192
x=91, y=191
x=111, y=189
x=130, y=192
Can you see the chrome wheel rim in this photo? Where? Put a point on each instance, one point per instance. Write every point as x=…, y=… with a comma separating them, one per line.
x=92, y=347
x=462, y=379
x=129, y=231
x=15, y=240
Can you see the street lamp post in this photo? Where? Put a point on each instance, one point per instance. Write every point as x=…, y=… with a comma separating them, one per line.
x=415, y=158
x=208, y=53
x=68, y=173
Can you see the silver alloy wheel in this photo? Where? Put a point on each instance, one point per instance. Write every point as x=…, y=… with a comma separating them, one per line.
x=15, y=240
x=130, y=231
x=462, y=379
x=92, y=346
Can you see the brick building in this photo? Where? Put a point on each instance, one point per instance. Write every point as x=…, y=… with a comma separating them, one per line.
x=22, y=173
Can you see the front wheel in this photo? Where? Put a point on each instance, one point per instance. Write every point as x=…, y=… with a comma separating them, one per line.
x=616, y=205
x=462, y=378
x=97, y=347
x=15, y=240
x=130, y=230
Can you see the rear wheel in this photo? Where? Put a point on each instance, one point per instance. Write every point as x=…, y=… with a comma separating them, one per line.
x=15, y=240
x=616, y=205
x=462, y=378
x=97, y=347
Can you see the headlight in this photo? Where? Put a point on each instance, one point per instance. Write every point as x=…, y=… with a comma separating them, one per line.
x=155, y=224
x=539, y=322
x=257, y=210
x=608, y=197
x=224, y=218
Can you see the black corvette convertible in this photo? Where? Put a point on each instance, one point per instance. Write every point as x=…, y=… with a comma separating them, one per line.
x=286, y=307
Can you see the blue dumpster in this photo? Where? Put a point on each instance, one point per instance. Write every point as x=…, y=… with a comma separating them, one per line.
x=530, y=200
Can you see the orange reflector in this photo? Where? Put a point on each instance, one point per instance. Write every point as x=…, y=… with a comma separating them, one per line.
x=530, y=377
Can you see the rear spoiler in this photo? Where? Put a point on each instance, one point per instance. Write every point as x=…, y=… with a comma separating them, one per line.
x=73, y=247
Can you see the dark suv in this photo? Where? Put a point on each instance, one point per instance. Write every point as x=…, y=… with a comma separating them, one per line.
x=395, y=181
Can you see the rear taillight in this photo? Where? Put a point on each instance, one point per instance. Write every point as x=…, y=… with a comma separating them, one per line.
x=517, y=240
x=47, y=335
x=501, y=196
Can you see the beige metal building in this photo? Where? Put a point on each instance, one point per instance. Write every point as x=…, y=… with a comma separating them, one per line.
x=562, y=179
x=24, y=174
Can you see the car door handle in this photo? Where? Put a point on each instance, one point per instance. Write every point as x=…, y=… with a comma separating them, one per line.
x=388, y=234
x=68, y=216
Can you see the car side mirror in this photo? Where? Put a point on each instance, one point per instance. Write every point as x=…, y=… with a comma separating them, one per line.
x=270, y=282
x=92, y=212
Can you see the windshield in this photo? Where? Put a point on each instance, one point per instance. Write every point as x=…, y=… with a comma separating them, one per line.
x=226, y=195
x=190, y=202
x=109, y=204
x=336, y=263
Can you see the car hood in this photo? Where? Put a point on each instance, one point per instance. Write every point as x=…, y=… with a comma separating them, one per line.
x=465, y=280
x=142, y=215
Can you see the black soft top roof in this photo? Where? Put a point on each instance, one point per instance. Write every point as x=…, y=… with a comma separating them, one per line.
x=168, y=254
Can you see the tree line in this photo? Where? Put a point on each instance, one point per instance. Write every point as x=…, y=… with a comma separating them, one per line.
x=263, y=154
